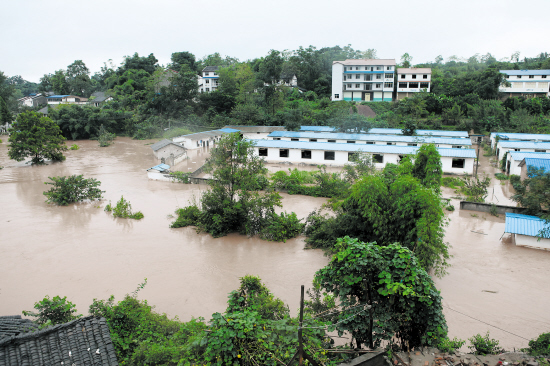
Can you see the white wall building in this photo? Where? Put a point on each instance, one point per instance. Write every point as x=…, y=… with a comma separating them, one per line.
x=202, y=139
x=256, y=132
x=66, y=99
x=526, y=83
x=371, y=139
x=454, y=161
x=363, y=80
x=412, y=80
x=505, y=136
x=503, y=147
x=33, y=100
x=514, y=159
x=210, y=79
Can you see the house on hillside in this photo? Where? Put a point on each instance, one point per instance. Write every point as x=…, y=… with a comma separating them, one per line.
x=525, y=230
x=210, y=79
x=33, y=100
x=66, y=99
x=97, y=99
x=85, y=341
x=363, y=80
x=526, y=83
x=412, y=80
x=169, y=152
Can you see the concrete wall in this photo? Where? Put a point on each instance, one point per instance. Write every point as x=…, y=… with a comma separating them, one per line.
x=337, y=82
x=531, y=242
x=377, y=358
x=486, y=207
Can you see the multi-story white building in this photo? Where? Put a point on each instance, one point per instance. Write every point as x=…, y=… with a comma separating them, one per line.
x=526, y=83
x=363, y=80
x=412, y=80
x=210, y=79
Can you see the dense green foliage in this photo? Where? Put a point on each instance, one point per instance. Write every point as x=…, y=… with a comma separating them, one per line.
x=390, y=207
x=448, y=345
x=483, y=345
x=540, y=346
x=392, y=295
x=234, y=202
x=123, y=209
x=532, y=193
x=74, y=188
x=35, y=136
x=427, y=166
x=53, y=311
x=105, y=138
x=181, y=177
x=474, y=188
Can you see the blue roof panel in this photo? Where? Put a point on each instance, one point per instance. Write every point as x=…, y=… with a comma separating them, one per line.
x=521, y=136
x=524, y=144
x=317, y=128
x=538, y=164
x=371, y=137
x=58, y=96
x=378, y=149
x=519, y=156
x=228, y=130
x=524, y=224
x=525, y=72
x=160, y=167
x=392, y=131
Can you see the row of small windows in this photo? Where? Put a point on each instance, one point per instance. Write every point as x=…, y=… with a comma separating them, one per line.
x=414, y=85
x=330, y=155
x=367, y=68
x=414, y=76
x=353, y=142
x=530, y=76
x=207, y=73
x=369, y=77
x=377, y=86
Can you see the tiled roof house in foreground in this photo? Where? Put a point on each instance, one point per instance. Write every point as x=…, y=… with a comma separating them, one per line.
x=85, y=341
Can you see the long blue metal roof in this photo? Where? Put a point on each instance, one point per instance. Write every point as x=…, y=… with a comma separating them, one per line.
x=525, y=72
x=371, y=137
x=392, y=131
x=317, y=128
x=525, y=144
x=228, y=130
x=519, y=155
x=521, y=136
x=524, y=224
x=377, y=149
x=538, y=164
x=58, y=96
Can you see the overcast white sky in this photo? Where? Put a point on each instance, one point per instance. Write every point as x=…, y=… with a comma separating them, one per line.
x=39, y=37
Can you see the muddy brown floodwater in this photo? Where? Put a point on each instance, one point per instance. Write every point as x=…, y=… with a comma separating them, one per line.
x=81, y=252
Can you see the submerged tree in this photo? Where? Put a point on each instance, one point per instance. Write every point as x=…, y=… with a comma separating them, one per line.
x=36, y=136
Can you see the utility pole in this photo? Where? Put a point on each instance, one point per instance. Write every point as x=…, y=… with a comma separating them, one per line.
x=477, y=160
x=300, y=353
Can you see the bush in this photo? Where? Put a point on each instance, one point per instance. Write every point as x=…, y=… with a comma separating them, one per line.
x=175, y=132
x=493, y=210
x=105, y=138
x=55, y=311
x=501, y=176
x=282, y=227
x=451, y=182
x=449, y=345
x=74, y=147
x=515, y=180
x=450, y=208
x=483, y=345
x=187, y=216
x=123, y=209
x=540, y=346
x=72, y=189
x=181, y=177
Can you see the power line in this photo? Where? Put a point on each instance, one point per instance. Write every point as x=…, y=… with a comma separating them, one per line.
x=481, y=321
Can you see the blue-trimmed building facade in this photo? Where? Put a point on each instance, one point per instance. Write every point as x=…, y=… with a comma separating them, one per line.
x=363, y=80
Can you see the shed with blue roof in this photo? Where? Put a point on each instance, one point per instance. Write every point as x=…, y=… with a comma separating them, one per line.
x=514, y=159
x=528, y=231
x=456, y=161
x=529, y=165
x=521, y=146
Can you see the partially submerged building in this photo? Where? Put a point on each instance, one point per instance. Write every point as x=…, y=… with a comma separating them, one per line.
x=526, y=231
x=202, y=139
x=169, y=152
x=158, y=172
x=85, y=341
x=454, y=161
x=370, y=139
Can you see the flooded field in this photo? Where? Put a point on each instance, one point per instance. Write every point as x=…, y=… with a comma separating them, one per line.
x=83, y=253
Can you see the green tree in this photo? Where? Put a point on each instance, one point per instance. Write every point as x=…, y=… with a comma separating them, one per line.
x=427, y=166
x=409, y=128
x=36, y=136
x=180, y=59
x=5, y=114
x=71, y=189
x=391, y=295
x=406, y=60
x=533, y=194
x=58, y=82
x=53, y=311
x=78, y=78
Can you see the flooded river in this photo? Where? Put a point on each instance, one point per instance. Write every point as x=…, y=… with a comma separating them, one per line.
x=81, y=252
